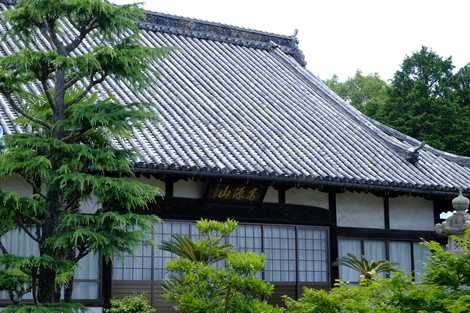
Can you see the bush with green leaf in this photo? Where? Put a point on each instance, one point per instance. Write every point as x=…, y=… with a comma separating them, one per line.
x=46, y=308
x=447, y=268
x=131, y=304
x=198, y=284
x=397, y=294
x=444, y=289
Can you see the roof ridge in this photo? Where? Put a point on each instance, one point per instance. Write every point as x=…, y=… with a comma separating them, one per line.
x=197, y=28
x=219, y=24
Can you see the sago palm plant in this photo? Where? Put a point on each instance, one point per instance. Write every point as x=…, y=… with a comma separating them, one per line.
x=367, y=269
x=198, y=251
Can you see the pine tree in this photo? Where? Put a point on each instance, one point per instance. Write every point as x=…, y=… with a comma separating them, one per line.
x=65, y=147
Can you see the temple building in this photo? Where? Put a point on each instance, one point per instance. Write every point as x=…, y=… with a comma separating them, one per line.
x=248, y=132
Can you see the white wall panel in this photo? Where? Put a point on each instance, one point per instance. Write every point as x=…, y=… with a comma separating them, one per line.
x=16, y=184
x=272, y=195
x=411, y=213
x=309, y=197
x=189, y=189
x=154, y=182
x=359, y=210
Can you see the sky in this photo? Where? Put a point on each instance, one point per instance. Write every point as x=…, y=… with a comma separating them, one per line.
x=341, y=36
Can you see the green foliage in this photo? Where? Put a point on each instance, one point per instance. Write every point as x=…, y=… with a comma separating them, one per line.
x=132, y=304
x=66, y=151
x=426, y=99
x=16, y=282
x=382, y=295
x=442, y=291
x=367, y=93
x=198, y=285
x=20, y=275
x=449, y=269
x=367, y=269
x=208, y=251
x=47, y=308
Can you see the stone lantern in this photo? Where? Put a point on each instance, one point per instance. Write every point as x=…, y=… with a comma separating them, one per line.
x=456, y=223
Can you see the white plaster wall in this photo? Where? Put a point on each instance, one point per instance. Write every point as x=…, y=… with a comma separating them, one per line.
x=94, y=310
x=16, y=184
x=411, y=213
x=310, y=197
x=272, y=195
x=189, y=189
x=359, y=210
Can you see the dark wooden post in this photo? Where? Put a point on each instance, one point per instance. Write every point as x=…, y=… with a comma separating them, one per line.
x=334, y=270
x=386, y=212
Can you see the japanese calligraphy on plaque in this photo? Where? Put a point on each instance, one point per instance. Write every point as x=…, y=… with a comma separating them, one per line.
x=236, y=192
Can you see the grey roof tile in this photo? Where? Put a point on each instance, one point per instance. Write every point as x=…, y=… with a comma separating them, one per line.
x=239, y=102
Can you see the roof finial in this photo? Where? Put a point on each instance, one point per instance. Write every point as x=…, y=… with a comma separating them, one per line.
x=412, y=154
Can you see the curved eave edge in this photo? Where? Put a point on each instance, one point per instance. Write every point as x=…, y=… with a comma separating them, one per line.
x=458, y=159
x=346, y=183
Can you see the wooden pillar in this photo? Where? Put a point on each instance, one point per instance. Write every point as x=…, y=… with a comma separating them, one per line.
x=386, y=212
x=334, y=270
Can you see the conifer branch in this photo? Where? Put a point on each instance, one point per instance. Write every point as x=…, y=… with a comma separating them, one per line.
x=36, y=188
x=82, y=253
x=48, y=94
x=72, y=81
x=3, y=249
x=74, y=137
x=54, y=39
x=26, y=230
x=18, y=109
x=83, y=32
x=88, y=88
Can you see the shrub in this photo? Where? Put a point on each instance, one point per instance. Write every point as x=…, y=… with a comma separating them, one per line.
x=443, y=290
x=381, y=295
x=132, y=304
x=198, y=284
x=46, y=308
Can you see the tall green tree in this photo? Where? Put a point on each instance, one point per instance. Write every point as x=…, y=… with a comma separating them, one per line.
x=367, y=93
x=463, y=85
x=429, y=102
x=65, y=151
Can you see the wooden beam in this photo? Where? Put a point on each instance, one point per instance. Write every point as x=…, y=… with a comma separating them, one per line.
x=194, y=209
x=388, y=234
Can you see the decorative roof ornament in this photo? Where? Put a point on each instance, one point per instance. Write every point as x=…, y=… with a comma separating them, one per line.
x=412, y=154
x=457, y=223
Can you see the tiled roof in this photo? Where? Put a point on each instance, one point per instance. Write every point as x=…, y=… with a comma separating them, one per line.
x=240, y=103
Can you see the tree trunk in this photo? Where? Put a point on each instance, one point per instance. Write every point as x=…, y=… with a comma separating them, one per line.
x=47, y=292
x=68, y=291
